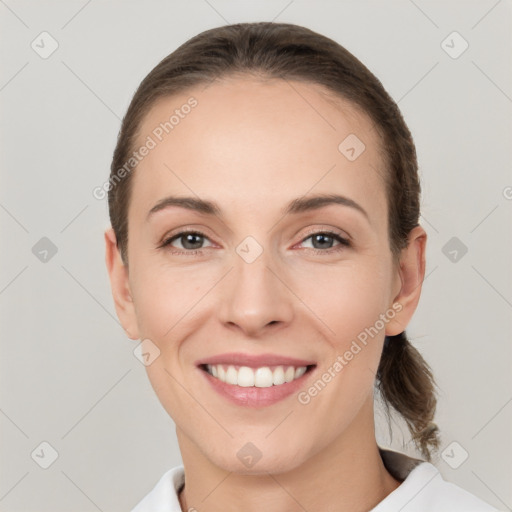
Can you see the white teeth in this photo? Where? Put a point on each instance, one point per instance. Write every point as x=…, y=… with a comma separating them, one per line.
x=245, y=377
x=278, y=376
x=299, y=372
x=289, y=374
x=232, y=376
x=262, y=377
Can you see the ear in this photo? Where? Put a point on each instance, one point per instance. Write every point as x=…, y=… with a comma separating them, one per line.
x=118, y=274
x=411, y=274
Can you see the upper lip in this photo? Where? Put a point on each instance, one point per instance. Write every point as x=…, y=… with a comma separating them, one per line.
x=254, y=361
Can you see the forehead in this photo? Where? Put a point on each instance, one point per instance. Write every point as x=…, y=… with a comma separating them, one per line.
x=260, y=142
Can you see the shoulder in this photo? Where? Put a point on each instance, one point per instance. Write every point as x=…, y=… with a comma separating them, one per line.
x=164, y=495
x=425, y=490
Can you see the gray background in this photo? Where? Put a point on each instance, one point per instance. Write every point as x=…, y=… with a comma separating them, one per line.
x=68, y=373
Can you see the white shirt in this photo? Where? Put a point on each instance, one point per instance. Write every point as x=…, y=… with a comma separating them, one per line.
x=423, y=489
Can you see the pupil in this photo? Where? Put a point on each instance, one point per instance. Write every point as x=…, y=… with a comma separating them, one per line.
x=189, y=240
x=323, y=239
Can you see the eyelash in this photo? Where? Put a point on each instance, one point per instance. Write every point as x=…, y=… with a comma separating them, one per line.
x=343, y=242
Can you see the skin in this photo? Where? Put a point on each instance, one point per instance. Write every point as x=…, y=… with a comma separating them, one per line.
x=252, y=147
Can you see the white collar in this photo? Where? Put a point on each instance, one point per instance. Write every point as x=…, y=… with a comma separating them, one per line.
x=422, y=489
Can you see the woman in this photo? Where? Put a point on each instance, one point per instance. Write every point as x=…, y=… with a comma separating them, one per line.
x=265, y=246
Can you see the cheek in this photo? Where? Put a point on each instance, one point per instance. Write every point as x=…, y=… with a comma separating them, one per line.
x=348, y=298
x=343, y=299
x=164, y=296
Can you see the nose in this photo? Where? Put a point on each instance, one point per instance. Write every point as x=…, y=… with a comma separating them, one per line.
x=255, y=297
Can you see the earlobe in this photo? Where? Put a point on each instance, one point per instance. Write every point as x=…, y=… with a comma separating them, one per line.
x=119, y=283
x=412, y=274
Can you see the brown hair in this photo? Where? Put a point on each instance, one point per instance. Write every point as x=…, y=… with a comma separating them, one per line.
x=290, y=52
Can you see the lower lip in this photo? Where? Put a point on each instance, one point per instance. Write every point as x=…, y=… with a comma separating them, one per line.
x=253, y=396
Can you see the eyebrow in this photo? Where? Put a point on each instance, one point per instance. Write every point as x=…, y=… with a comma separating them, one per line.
x=299, y=205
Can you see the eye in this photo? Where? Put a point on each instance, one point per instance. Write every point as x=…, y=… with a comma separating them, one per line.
x=190, y=241
x=323, y=241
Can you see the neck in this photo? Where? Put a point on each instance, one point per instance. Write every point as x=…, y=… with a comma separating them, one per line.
x=347, y=475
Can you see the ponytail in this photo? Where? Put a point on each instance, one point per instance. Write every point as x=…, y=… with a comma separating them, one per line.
x=406, y=383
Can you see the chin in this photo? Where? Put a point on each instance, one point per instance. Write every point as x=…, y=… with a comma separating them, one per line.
x=250, y=460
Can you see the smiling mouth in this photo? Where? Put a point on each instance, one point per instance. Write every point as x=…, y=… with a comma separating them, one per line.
x=261, y=377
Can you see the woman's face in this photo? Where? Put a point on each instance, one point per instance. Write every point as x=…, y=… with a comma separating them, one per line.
x=261, y=277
